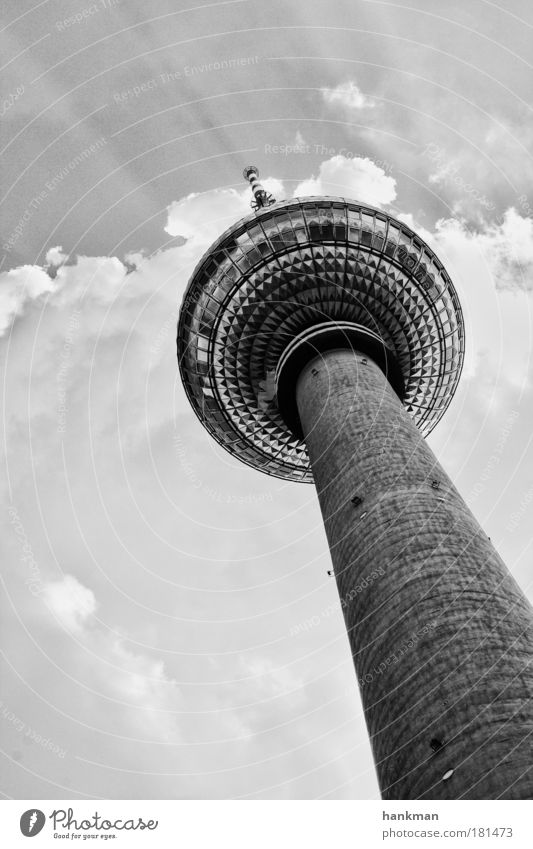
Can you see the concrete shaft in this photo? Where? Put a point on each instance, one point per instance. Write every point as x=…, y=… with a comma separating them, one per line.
x=440, y=633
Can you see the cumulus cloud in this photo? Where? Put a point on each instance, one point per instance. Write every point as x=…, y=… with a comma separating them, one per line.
x=70, y=602
x=18, y=287
x=347, y=95
x=55, y=256
x=97, y=277
x=146, y=697
x=503, y=249
x=508, y=245
x=133, y=259
x=358, y=178
x=201, y=218
x=490, y=267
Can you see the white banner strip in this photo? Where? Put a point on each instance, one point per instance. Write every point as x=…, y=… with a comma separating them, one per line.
x=267, y=824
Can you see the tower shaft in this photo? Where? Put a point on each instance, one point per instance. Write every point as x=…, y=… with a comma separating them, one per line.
x=440, y=633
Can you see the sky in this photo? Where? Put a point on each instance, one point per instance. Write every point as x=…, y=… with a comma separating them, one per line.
x=169, y=629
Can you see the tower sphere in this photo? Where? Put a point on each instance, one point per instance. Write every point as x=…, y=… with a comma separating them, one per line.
x=311, y=267
x=250, y=170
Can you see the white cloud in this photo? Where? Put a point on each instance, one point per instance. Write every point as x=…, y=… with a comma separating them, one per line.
x=348, y=95
x=490, y=267
x=358, y=178
x=146, y=697
x=134, y=258
x=201, y=218
x=509, y=248
x=97, y=277
x=143, y=682
x=18, y=287
x=55, y=256
x=503, y=250
x=71, y=602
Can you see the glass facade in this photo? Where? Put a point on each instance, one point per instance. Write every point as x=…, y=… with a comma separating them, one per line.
x=286, y=268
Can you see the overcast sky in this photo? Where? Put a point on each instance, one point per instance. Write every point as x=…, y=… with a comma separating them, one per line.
x=155, y=588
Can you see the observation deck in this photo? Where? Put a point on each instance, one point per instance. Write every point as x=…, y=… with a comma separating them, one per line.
x=290, y=267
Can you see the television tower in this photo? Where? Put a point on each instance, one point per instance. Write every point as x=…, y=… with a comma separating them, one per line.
x=320, y=340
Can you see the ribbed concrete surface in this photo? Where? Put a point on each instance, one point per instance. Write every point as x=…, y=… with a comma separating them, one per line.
x=442, y=637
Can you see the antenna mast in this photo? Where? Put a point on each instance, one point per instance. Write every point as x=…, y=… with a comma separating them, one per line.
x=262, y=198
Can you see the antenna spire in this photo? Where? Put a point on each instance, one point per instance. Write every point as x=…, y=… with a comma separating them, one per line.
x=262, y=198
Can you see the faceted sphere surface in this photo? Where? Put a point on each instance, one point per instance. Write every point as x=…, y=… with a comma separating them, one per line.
x=289, y=267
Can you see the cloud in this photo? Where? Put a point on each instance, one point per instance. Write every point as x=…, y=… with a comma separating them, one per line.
x=201, y=218
x=508, y=245
x=146, y=697
x=492, y=270
x=18, y=287
x=97, y=277
x=503, y=250
x=71, y=602
x=55, y=256
x=347, y=95
x=358, y=178
x=143, y=682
